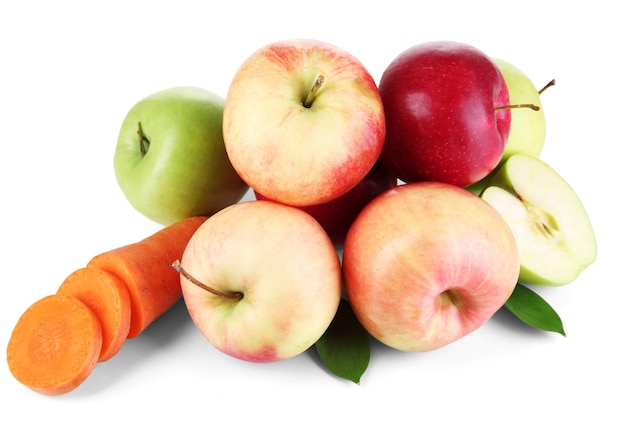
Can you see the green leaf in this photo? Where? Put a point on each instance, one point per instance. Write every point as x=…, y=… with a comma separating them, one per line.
x=345, y=346
x=533, y=310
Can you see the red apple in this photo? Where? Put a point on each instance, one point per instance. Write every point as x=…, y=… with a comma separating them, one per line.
x=337, y=215
x=303, y=121
x=427, y=263
x=446, y=110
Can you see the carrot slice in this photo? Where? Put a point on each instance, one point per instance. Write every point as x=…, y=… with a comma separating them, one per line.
x=54, y=345
x=145, y=268
x=107, y=296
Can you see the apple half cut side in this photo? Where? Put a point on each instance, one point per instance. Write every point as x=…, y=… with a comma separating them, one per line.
x=553, y=231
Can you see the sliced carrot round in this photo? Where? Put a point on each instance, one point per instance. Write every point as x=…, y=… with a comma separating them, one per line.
x=107, y=296
x=55, y=345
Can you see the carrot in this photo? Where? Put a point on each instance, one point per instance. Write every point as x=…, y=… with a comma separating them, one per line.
x=107, y=296
x=145, y=268
x=54, y=345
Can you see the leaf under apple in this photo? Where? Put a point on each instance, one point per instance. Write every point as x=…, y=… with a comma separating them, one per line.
x=345, y=346
x=533, y=310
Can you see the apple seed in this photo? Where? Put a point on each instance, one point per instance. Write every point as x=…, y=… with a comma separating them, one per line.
x=545, y=222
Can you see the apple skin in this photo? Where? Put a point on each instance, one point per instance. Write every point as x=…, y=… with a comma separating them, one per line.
x=300, y=155
x=427, y=263
x=186, y=171
x=440, y=101
x=285, y=265
x=337, y=215
x=528, y=128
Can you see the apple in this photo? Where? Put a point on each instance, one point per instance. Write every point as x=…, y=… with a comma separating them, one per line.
x=170, y=160
x=553, y=231
x=261, y=280
x=447, y=110
x=427, y=263
x=337, y=215
x=303, y=121
x=528, y=126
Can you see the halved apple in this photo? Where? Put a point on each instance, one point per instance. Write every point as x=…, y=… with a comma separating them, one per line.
x=551, y=226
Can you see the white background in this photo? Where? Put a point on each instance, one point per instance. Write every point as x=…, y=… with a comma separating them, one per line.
x=69, y=72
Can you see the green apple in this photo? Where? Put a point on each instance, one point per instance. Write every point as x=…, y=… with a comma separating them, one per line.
x=554, y=235
x=528, y=127
x=170, y=160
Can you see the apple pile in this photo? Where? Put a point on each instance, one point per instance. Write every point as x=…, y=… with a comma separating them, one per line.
x=408, y=211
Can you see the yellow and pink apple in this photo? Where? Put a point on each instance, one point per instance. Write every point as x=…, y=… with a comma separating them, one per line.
x=427, y=263
x=303, y=121
x=261, y=280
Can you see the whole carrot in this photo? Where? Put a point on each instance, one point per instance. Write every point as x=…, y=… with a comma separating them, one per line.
x=145, y=268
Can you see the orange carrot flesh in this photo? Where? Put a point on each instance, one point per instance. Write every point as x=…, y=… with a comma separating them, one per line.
x=55, y=345
x=107, y=296
x=145, y=268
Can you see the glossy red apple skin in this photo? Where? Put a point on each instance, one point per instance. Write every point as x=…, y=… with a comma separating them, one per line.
x=440, y=101
x=337, y=215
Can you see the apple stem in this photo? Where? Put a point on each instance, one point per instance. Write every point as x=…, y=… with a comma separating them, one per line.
x=144, y=143
x=229, y=295
x=532, y=106
x=548, y=85
x=313, y=91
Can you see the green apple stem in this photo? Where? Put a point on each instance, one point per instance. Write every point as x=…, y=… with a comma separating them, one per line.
x=144, y=143
x=313, y=91
x=548, y=85
x=532, y=106
x=228, y=295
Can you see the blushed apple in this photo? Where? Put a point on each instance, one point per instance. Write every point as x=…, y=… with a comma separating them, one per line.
x=427, y=263
x=170, y=160
x=447, y=111
x=553, y=231
x=337, y=215
x=303, y=121
x=261, y=280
